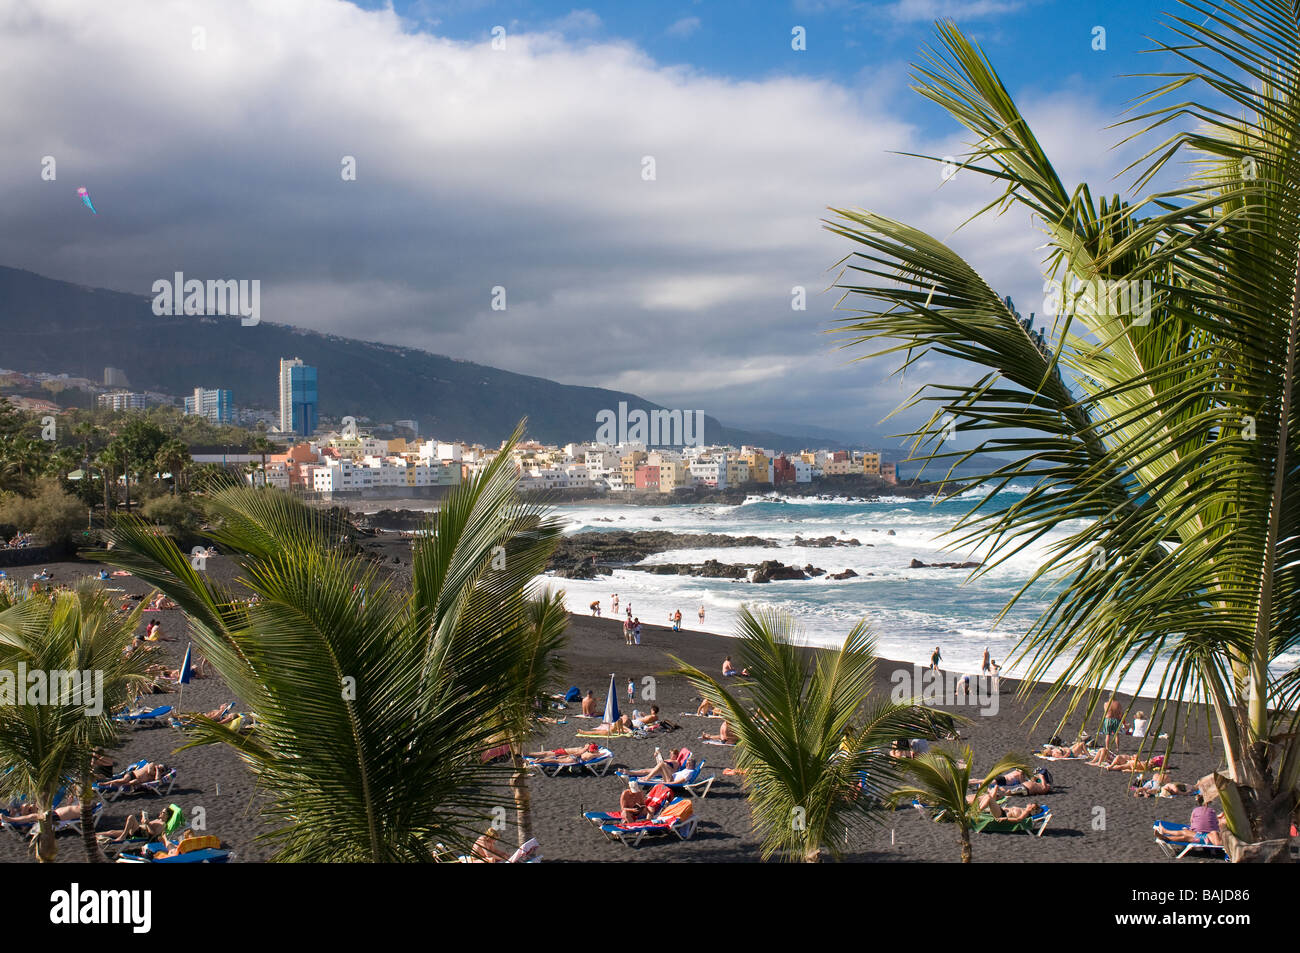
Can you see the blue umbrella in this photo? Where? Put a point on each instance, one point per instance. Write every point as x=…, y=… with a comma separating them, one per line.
x=611, y=702
x=187, y=670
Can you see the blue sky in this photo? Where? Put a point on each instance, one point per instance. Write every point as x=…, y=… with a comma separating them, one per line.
x=211, y=133
x=1045, y=44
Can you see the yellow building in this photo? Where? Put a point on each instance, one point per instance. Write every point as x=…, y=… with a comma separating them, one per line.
x=760, y=466
x=672, y=474
x=737, y=469
x=871, y=464
x=628, y=465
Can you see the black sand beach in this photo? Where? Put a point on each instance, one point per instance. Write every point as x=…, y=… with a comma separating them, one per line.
x=1095, y=819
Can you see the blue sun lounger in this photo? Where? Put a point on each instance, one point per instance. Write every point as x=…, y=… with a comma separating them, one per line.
x=597, y=765
x=694, y=785
x=204, y=855
x=150, y=717
x=1177, y=849
x=161, y=787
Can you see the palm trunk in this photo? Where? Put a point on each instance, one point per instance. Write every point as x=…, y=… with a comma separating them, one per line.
x=47, y=849
x=523, y=797
x=126, y=475
x=965, y=845
x=88, y=840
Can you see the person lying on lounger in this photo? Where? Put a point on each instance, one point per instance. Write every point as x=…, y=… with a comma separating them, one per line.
x=1013, y=813
x=726, y=734
x=140, y=826
x=153, y=771
x=1016, y=783
x=671, y=770
x=66, y=812
x=172, y=848
x=575, y=755
x=1203, y=827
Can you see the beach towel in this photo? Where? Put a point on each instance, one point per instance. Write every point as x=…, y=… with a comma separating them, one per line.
x=720, y=744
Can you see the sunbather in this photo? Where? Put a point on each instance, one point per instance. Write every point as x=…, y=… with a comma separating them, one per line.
x=672, y=770
x=134, y=777
x=706, y=708
x=575, y=755
x=1130, y=762
x=172, y=848
x=1102, y=757
x=632, y=802
x=726, y=734
x=1203, y=827
x=486, y=850
x=620, y=727
x=1077, y=750
x=589, y=705
x=638, y=722
x=140, y=826
x=1017, y=784
x=1013, y=813
x=65, y=812
x=1159, y=785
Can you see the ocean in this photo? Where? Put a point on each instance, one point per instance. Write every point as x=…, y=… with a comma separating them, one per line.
x=911, y=611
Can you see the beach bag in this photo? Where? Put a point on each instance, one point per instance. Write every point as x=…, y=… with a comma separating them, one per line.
x=574, y=694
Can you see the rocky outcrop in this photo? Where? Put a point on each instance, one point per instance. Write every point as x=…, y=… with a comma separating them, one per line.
x=846, y=574
x=825, y=541
x=771, y=570
x=709, y=569
x=917, y=564
x=584, y=555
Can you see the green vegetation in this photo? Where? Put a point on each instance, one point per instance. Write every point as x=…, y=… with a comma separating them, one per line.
x=1166, y=433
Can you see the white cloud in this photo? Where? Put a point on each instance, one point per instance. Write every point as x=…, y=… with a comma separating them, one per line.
x=475, y=168
x=684, y=27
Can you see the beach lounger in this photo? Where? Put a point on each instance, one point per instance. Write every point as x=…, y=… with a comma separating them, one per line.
x=1034, y=824
x=186, y=719
x=1177, y=850
x=694, y=785
x=153, y=716
x=597, y=766
x=205, y=849
x=660, y=796
x=677, y=818
x=60, y=825
x=161, y=788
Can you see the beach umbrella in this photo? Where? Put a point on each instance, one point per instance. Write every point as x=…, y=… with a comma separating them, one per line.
x=187, y=673
x=611, y=702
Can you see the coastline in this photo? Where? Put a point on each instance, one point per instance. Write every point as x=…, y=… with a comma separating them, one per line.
x=215, y=779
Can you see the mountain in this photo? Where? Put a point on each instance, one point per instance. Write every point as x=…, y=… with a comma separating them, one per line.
x=49, y=325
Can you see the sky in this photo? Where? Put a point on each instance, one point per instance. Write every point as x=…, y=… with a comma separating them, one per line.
x=641, y=185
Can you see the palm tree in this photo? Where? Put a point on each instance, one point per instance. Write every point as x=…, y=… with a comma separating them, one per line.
x=540, y=666
x=941, y=780
x=118, y=455
x=106, y=462
x=806, y=786
x=51, y=745
x=374, y=706
x=173, y=457
x=1166, y=430
x=260, y=444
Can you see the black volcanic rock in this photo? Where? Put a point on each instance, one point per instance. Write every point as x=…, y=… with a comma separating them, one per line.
x=771, y=570
x=583, y=552
x=917, y=564
x=846, y=574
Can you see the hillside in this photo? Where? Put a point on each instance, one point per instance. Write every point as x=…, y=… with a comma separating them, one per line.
x=49, y=325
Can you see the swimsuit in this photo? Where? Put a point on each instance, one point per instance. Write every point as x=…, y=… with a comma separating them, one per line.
x=1109, y=726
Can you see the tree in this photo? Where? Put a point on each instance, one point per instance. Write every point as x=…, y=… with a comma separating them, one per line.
x=941, y=780
x=1158, y=412
x=260, y=444
x=54, y=516
x=173, y=456
x=49, y=740
x=533, y=682
x=374, y=707
x=807, y=784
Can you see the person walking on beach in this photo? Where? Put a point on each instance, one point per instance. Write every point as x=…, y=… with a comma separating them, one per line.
x=614, y=600
x=636, y=631
x=984, y=666
x=677, y=621
x=629, y=612
x=631, y=690
x=701, y=613
x=1110, y=723
x=935, y=659
x=627, y=631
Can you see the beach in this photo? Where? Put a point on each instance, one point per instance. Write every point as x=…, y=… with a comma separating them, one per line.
x=1095, y=818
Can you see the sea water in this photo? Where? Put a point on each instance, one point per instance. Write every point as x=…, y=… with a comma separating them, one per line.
x=910, y=611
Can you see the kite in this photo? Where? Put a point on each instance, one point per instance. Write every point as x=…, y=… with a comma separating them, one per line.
x=85, y=197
